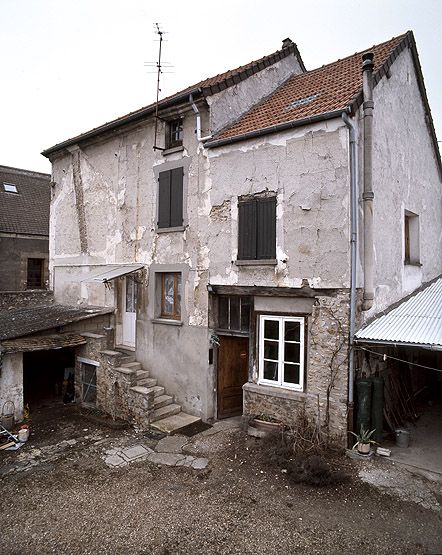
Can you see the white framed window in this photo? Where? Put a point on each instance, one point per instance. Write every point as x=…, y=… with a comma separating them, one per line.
x=281, y=351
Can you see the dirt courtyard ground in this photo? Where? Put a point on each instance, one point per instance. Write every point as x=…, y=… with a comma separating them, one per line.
x=80, y=487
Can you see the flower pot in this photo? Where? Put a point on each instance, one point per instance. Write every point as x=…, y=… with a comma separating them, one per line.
x=266, y=426
x=364, y=448
x=23, y=435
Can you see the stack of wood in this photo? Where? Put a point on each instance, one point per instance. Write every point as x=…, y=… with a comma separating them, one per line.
x=399, y=406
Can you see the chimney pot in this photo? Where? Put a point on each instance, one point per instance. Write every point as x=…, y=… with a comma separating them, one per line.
x=367, y=61
x=287, y=42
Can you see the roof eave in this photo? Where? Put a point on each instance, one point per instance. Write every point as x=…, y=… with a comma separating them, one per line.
x=275, y=128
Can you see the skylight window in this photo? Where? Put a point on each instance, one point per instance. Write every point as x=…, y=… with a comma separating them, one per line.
x=10, y=188
x=302, y=101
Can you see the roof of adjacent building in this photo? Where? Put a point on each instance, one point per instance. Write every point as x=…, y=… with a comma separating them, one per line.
x=206, y=87
x=20, y=322
x=417, y=320
x=27, y=210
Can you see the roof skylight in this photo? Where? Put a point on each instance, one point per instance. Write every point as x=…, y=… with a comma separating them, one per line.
x=10, y=188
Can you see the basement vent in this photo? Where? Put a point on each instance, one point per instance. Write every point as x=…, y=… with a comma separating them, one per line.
x=10, y=188
x=301, y=102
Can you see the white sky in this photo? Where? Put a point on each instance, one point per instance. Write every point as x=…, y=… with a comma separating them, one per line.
x=70, y=65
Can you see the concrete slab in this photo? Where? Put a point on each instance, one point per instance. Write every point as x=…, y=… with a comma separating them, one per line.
x=135, y=452
x=173, y=424
x=171, y=444
x=187, y=461
x=200, y=464
x=115, y=460
x=168, y=459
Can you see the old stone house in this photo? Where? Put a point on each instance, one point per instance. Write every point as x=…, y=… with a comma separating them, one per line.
x=243, y=236
x=25, y=198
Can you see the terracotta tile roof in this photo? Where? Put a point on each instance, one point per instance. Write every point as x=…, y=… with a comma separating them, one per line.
x=327, y=89
x=26, y=211
x=208, y=86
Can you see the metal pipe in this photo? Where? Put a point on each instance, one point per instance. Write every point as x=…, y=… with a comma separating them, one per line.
x=368, y=195
x=198, y=121
x=353, y=250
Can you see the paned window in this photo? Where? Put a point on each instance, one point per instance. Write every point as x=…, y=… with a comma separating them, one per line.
x=170, y=296
x=175, y=133
x=234, y=313
x=88, y=383
x=281, y=351
x=170, y=198
x=257, y=229
x=35, y=278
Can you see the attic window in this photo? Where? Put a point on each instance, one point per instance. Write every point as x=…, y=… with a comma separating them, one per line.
x=10, y=188
x=301, y=101
x=174, y=133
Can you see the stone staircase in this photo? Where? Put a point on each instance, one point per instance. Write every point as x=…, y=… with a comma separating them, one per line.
x=166, y=415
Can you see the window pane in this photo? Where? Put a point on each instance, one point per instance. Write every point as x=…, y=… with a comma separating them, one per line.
x=245, y=314
x=270, y=370
x=169, y=293
x=291, y=373
x=271, y=329
x=89, y=383
x=292, y=331
x=131, y=294
x=35, y=272
x=234, y=313
x=178, y=296
x=223, y=313
x=271, y=350
x=291, y=352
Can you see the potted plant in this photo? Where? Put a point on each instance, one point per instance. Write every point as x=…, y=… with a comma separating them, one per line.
x=364, y=441
x=267, y=423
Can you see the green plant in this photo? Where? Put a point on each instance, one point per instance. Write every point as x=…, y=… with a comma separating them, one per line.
x=266, y=418
x=364, y=437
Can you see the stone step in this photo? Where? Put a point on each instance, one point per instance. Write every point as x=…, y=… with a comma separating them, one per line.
x=176, y=423
x=158, y=390
x=164, y=412
x=147, y=382
x=162, y=401
x=142, y=374
x=126, y=359
x=132, y=365
x=139, y=389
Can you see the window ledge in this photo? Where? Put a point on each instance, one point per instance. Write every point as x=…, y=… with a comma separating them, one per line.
x=167, y=321
x=172, y=150
x=409, y=263
x=272, y=391
x=262, y=262
x=170, y=229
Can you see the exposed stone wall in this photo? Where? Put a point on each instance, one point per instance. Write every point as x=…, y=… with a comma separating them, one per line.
x=14, y=254
x=325, y=391
x=25, y=299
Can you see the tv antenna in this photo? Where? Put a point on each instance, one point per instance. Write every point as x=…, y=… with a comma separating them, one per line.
x=158, y=66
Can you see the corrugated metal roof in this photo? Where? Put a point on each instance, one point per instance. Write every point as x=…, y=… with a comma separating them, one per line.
x=417, y=320
x=112, y=271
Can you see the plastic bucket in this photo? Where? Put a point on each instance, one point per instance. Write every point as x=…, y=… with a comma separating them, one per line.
x=402, y=437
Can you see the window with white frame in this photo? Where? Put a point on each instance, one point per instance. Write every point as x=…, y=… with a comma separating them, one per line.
x=281, y=351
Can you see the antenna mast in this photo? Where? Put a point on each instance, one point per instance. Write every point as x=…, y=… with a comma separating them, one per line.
x=160, y=34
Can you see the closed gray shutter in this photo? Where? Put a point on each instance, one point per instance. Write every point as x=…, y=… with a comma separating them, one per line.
x=266, y=229
x=164, y=199
x=176, y=198
x=247, y=230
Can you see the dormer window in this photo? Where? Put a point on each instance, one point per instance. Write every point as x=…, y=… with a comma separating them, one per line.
x=175, y=133
x=10, y=188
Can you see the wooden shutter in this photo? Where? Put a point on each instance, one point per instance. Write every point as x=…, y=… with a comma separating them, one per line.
x=247, y=230
x=176, y=198
x=164, y=199
x=266, y=228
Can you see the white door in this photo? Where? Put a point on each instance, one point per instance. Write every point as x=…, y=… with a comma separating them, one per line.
x=129, y=311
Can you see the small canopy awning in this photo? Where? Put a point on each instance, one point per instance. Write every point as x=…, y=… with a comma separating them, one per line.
x=415, y=321
x=42, y=342
x=112, y=271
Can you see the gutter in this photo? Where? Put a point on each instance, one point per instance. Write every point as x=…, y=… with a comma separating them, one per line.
x=198, y=121
x=274, y=129
x=353, y=253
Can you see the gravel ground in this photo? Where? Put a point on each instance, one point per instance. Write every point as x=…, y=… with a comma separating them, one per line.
x=72, y=503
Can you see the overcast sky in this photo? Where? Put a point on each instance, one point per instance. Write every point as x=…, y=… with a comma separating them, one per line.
x=70, y=65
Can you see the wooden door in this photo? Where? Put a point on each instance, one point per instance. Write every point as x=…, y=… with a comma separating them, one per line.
x=233, y=363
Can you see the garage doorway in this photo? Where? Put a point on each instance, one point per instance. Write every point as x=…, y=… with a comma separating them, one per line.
x=48, y=377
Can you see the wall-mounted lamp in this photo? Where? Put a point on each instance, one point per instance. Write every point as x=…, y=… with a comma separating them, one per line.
x=209, y=288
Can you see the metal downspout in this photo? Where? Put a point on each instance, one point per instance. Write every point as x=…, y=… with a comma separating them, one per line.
x=198, y=121
x=368, y=195
x=353, y=258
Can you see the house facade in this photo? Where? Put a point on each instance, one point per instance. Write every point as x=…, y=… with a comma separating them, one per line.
x=25, y=198
x=222, y=236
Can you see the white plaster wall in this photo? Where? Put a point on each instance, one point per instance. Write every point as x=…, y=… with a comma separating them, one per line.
x=308, y=169
x=11, y=384
x=405, y=177
x=228, y=105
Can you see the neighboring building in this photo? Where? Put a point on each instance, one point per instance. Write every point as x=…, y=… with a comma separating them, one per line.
x=25, y=198
x=224, y=242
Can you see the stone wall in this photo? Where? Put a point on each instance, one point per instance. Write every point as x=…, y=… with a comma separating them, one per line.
x=325, y=392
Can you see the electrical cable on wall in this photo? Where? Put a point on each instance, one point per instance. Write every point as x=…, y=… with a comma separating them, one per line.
x=385, y=357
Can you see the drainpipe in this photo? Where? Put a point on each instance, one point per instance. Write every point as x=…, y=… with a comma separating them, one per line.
x=368, y=195
x=353, y=259
x=198, y=121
